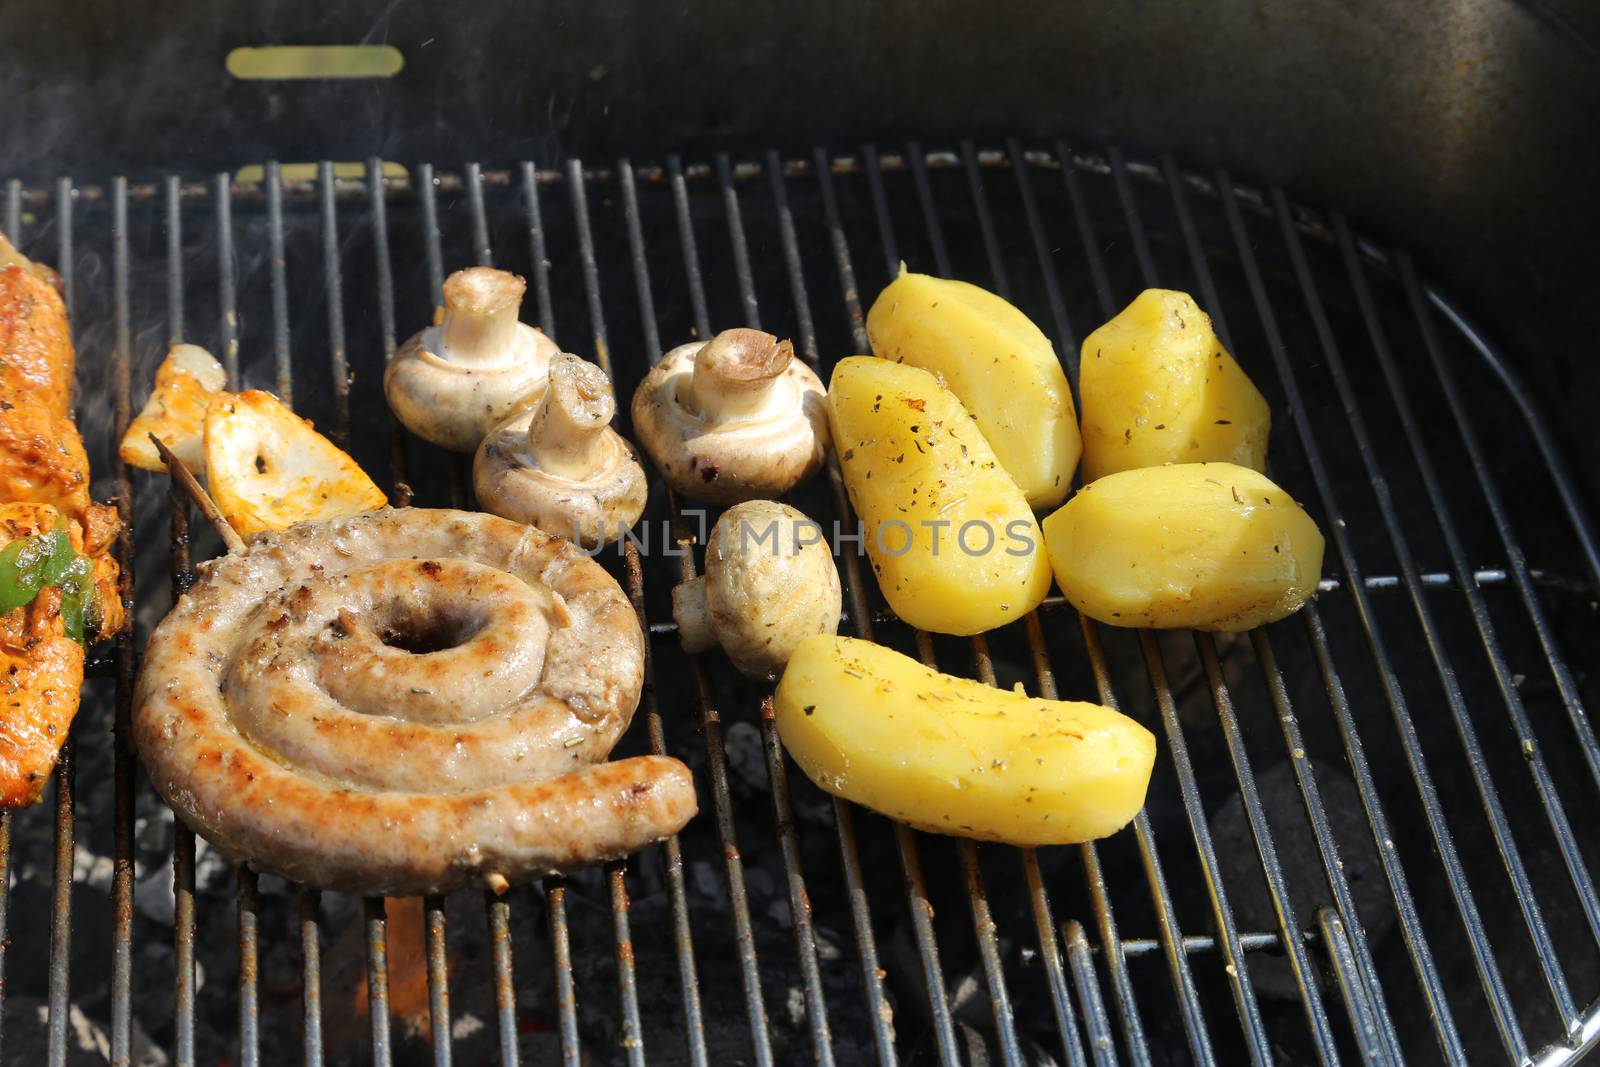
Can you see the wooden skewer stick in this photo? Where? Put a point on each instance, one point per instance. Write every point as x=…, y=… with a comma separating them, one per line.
x=208, y=507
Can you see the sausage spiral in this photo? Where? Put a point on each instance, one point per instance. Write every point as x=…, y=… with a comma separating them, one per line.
x=404, y=702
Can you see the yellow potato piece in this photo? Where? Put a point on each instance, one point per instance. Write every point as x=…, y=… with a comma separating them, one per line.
x=955, y=756
x=186, y=382
x=1158, y=387
x=998, y=363
x=268, y=469
x=1207, y=546
x=954, y=545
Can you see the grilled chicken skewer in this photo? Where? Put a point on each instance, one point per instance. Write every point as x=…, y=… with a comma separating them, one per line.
x=58, y=585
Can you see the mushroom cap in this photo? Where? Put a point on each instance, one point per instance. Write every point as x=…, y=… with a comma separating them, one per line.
x=454, y=401
x=591, y=510
x=770, y=583
x=723, y=460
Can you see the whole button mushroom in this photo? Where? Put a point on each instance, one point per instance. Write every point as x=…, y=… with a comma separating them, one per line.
x=455, y=381
x=733, y=418
x=769, y=584
x=560, y=466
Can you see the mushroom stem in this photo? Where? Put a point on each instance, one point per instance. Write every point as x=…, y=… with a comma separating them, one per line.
x=480, y=316
x=692, y=613
x=734, y=374
x=567, y=436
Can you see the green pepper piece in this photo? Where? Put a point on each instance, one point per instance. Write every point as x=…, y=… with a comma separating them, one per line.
x=58, y=559
x=22, y=565
x=79, y=599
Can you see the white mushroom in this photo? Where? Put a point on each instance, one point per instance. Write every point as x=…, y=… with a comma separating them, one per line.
x=733, y=418
x=455, y=381
x=769, y=583
x=560, y=466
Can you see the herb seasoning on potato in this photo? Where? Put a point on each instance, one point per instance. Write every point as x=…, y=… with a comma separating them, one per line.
x=1205, y=546
x=952, y=540
x=998, y=364
x=1158, y=387
x=955, y=756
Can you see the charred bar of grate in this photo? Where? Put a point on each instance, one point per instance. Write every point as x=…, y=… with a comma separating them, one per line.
x=1071, y=234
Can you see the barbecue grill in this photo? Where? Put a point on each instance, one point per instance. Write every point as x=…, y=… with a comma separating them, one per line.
x=1368, y=836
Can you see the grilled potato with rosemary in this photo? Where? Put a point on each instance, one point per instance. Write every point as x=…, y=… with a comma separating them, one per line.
x=1204, y=546
x=955, y=756
x=951, y=538
x=1158, y=387
x=998, y=363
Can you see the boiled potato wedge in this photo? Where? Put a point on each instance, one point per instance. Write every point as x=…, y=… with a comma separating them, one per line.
x=186, y=382
x=951, y=538
x=955, y=756
x=268, y=469
x=1205, y=546
x=1158, y=387
x=998, y=363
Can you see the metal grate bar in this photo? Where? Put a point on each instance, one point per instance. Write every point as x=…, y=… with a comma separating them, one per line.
x=921, y=909
x=308, y=899
x=1311, y=797
x=1333, y=868
x=333, y=291
x=183, y=845
x=433, y=917
x=1050, y=950
x=1571, y=501
x=710, y=718
x=561, y=963
x=284, y=368
x=1084, y=223
x=498, y=910
x=122, y=753
x=988, y=948
x=480, y=218
x=505, y=992
x=1232, y=952
x=1277, y=888
x=688, y=975
x=1488, y=968
x=1353, y=989
x=246, y=899
x=1299, y=962
x=428, y=196
x=1191, y=1013
x=378, y=204
x=1067, y=348
x=872, y=974
x=880, y=211
x=536, y=246
x=14, y=210
x=1098, y=1023
x=374, y=915
x=1066, y=339
x=1517, y=561
x=1488, y=794
x=375, y=921
x=1555, y=811
x=227, y=283
x=991, y=245
x=307, y=902
x=627, y=981
x=61, y=891
x=783, y=812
